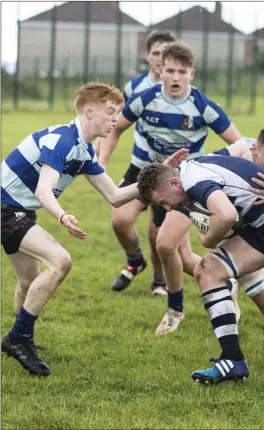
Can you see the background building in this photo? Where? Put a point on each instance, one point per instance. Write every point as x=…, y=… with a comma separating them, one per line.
x=70, y=22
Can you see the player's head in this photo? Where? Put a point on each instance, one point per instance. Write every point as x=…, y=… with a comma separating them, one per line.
x=155, y=43
x=177, y=69
x=160, y=185
x=258, y=149
x=99, y=104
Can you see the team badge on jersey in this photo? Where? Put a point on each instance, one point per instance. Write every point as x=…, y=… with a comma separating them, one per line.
x=188, y=123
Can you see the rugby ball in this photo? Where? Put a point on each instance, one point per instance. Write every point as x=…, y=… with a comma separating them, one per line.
x=200, y=218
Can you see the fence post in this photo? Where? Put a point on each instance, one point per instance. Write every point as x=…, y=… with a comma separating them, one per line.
x=118, y=46
x=229, y=70
x=150, y=26
x=205, y=50
x=65, y=80
x=52, y=57
x=179, y=23
x=254, y=73
x=87, y=19
x=37, y=72
x=17, y=71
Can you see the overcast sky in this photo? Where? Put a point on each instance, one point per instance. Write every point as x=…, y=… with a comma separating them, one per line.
x=246, y=16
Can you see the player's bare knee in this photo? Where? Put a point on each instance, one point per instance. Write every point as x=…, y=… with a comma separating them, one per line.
x=121, y=222
x=165, y=249
x=206, y=270
x=63, y=264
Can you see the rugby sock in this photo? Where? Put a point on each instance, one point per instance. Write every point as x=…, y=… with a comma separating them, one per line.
x=24, y=325
x=158, y=281
x=136, y=259
x=221, y=311
x=175, y=300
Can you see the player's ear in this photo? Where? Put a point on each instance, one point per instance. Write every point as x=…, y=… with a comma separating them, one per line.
x=254, y=148
x=89, y=112
x=175, y=182
x=192, y=74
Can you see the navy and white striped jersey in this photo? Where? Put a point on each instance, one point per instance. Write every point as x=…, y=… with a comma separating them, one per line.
x=140, y=156
x=62, y=147
x=232, y=175
x=171, y=124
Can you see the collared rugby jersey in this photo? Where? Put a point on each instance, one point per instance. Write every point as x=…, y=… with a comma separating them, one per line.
x=62, y=147
x=171, y=124
x=140, y=157
x=202, y=176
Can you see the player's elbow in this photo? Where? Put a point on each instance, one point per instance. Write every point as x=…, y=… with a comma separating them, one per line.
x=229, y=217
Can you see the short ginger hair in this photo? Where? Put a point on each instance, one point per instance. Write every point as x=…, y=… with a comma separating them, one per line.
x=179, y=51
x=98, y=92
x=150, y=178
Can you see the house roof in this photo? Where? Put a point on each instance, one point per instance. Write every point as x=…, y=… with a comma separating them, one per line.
x=260, y=33
x=193, y=20
x=74, y=11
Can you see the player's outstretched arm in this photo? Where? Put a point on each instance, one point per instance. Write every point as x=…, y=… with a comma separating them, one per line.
x=114, y=195
x=108, y=144
x=231, y=134
x=48, y=178
x=222, y=219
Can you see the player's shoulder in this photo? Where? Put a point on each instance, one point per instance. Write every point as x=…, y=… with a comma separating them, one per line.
x=198, y=98
x=150, y=94
x=146, y=96
x=50, y=136
x=137, y=80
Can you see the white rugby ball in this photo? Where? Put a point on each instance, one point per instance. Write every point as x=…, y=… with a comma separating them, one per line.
x=200, y=218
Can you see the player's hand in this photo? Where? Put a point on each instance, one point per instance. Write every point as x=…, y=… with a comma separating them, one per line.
x=177, y=158
x=69, y=221
x=256, y=190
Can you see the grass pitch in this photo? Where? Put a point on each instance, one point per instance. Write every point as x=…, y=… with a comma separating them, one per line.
x=109, y=369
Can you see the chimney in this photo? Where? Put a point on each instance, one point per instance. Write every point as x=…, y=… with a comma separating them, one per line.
x=218, y=9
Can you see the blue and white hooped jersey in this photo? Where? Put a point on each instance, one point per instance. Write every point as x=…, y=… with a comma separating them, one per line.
x=62, y=147
x=232, y=175
x=171, y=124
x=140, y=157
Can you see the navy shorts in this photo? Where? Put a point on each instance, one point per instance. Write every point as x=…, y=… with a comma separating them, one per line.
x=253, y=236
x=15, y=223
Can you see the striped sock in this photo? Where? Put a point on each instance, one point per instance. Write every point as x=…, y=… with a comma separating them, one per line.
x=221, y=311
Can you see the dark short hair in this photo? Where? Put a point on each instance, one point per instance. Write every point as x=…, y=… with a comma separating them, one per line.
x=150, y=178
x=179, y=51
x=260, y=138
x=158, y=36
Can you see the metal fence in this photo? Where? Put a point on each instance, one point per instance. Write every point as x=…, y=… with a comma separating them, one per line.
x=228, y=65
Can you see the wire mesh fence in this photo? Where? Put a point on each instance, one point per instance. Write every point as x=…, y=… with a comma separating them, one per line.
x=57, y=53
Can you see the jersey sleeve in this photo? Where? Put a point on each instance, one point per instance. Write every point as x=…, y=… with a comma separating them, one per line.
x=92, y=167
x=54, y=148
x=133, y=108
x=202, y=190
x=127, y=91
x=216, y=118
x=222, y=151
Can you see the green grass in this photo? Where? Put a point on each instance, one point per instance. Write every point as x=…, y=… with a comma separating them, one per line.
x=109, y=369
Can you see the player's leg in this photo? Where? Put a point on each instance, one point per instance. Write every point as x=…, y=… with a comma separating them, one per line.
x=41, y=246
x=158, y=285
x=123, y=223
x=233, y=258
x=188, y=257
x=27, y=269
x=253, y=285
x=171, y=233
